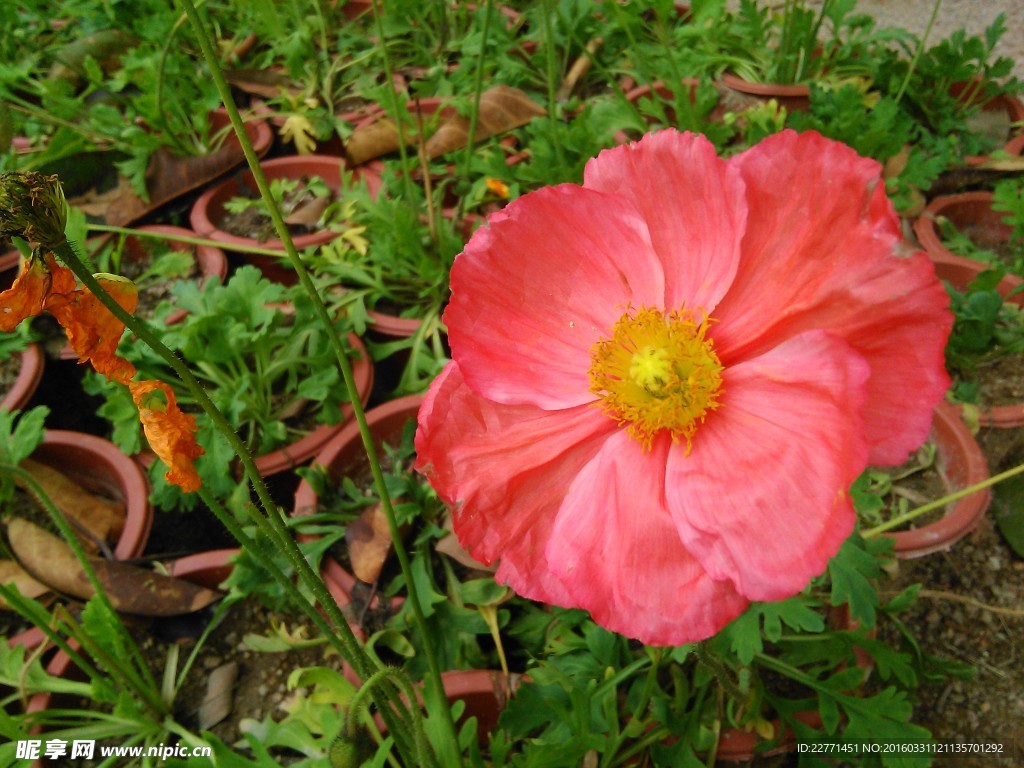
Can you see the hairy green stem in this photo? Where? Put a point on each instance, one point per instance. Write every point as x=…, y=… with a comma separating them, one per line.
x=918, y=51
x=182, y=239
x=478, y=86
x=940, y=503
x=392, y=97
x=549, y=44
x=359, y=657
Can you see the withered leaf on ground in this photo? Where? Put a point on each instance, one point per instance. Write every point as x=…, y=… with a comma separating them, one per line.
x=169, y=176
x=12, y=573
x=502, y=108
x=369, y=542
x=266, y=83
x=219, y=696
x=372, y=140
x=131, y=589
x=307, y=214
x=102, y=518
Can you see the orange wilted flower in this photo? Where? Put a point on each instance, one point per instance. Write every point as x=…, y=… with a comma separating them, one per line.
x=169, y=431
x=94, y=332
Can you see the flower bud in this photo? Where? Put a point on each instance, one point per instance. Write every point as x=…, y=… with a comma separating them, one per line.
x=32, y=207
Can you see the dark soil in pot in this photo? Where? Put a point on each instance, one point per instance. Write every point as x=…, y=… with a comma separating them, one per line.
x=1001, y=381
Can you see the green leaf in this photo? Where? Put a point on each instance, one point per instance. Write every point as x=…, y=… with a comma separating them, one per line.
x=1008, y=510
x=852, y=571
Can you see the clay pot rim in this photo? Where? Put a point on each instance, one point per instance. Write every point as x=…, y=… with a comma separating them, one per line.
x=952, y=437
x=202, y=222
x=33, y=362
x=738, y=83
x=261, y=134
x=135, y=488
x=392, y=325
x=928, y=234
x=306, y=499
x=959, y=271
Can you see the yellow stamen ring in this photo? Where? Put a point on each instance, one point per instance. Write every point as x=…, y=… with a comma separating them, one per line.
x=657, y=372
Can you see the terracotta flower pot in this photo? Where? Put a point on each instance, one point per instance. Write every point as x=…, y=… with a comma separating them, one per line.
x=960, y=273
x=795, y=98
x=960, y=463
x=99, y=466
x=972, y=214
x=1004, y=103
x=29, y=375
x=661, y=90
x=208, y=211
x=344, y=455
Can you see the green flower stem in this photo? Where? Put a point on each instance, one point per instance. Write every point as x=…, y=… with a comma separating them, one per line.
x=389, y=88
x=271, y=523
x=395, y=677
x=918, y=51
x=478, y=86
x=138, y=679
x=183, y=239
x=718, y=669
x=28, y=609
x=245, y=540
x=940, y=503
x=363, y=665
x=549, y=44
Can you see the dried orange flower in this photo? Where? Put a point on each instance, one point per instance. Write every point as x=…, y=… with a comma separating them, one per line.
x=94, y=332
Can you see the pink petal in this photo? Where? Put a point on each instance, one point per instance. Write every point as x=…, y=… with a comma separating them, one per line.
x=537, y=288
x=616, y=550
x=504, y=471
x=820, y=252
x=693, y=203
x=762, y=499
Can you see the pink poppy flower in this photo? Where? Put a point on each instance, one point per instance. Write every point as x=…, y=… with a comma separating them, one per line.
x=664, y=381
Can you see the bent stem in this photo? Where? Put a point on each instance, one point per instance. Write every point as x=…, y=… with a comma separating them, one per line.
x=940, y=503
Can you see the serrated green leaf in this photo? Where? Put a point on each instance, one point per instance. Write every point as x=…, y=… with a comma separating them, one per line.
x=851, y=571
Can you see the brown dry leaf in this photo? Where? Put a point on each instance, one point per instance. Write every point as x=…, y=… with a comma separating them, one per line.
x=101, y=517
x=169, y=176
x=219, y=697
x=131, y=589
x=96, y=204
x=266, y=83
x=308, y=214
x=371, y=140
x=369, y=543
x=502, y=108
x=450, y=546
x=894, y=165
x=1009, y=163
x=12, y=573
